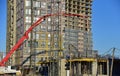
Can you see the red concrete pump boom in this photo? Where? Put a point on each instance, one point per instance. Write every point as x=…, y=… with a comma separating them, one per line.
x=25, y=36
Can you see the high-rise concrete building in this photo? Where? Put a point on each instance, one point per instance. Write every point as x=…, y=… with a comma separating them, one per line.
x=67, y=34
x=11, y=29
x=60, y=36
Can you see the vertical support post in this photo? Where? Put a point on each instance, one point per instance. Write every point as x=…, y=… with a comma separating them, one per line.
x=94, y=68
x=111, y=70
x=31, y=33
x=108, y=68
x=63, y=68
x=68, y=72
x=79, y=67
x=32, y=59
x=70, y=61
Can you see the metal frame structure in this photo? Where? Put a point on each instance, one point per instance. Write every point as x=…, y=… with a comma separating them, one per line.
x=25, y=36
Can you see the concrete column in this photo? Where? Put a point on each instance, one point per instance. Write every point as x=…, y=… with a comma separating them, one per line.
x=108, y=68
x=100, y=69
x=79, y=69
x=63, y=71
x=94, y=68
x=68, y=72
x=74, y=70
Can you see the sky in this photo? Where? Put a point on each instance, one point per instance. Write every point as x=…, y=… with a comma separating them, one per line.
x=105, y=24
x=3, y=13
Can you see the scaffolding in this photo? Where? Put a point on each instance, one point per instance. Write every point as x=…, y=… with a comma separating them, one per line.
x=62, y=33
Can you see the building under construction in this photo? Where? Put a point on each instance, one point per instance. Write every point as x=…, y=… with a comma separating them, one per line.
x=58, y=42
